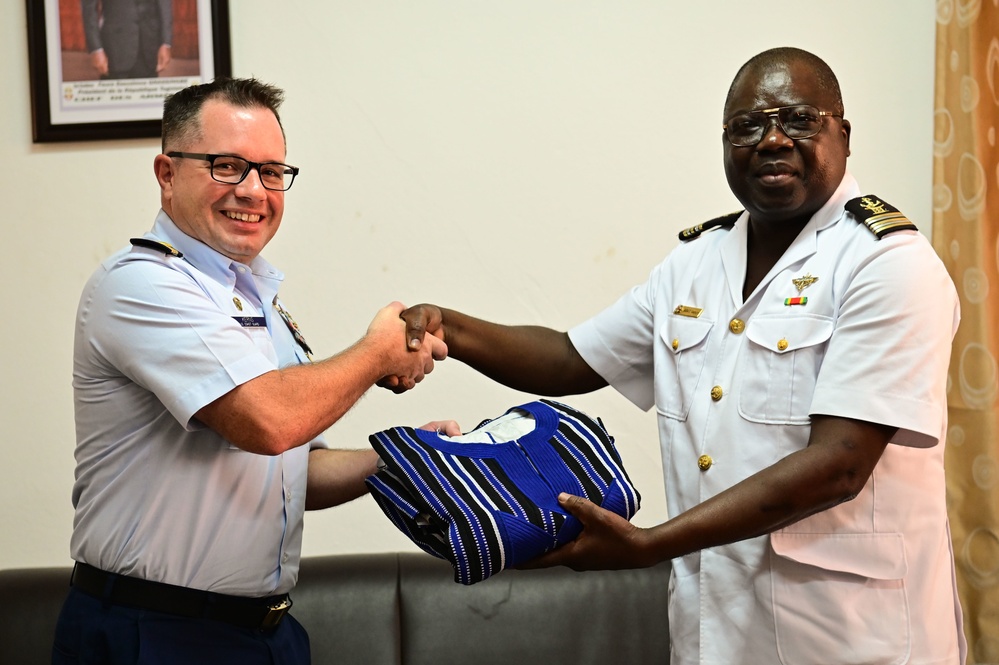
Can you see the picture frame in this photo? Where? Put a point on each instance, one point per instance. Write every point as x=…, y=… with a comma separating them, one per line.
x=70, y=98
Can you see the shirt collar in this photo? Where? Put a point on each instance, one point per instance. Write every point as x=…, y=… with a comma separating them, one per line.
x=803, y=246
x=215, y=265
x=834, y=208
x=831, y=211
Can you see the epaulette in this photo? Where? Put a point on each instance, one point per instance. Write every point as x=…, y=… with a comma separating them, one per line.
x=695, y=231
x=166, y=248
x=878, y=216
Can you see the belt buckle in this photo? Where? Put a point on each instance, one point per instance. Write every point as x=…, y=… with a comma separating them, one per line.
x=275, y=613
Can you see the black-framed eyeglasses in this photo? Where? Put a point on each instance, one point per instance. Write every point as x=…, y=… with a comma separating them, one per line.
x=800, y=121
x=232, y=170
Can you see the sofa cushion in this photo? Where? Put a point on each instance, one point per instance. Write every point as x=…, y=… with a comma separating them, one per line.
x=349, y=603
x=389, y=608
x=529, y=617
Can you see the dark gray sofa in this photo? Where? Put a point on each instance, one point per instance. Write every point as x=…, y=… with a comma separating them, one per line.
x=405, y=608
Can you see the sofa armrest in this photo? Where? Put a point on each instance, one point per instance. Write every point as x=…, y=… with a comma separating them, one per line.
x=32, y=599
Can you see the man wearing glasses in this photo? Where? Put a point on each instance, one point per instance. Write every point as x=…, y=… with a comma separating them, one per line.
x=797, y=356
x=200, y=412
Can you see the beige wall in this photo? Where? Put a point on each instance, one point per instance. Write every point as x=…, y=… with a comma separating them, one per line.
x=524, y=160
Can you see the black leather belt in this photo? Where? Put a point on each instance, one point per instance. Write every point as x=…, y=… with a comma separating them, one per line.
x=258, y=613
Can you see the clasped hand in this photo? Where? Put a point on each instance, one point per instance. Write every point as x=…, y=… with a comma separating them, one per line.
x=409, y=363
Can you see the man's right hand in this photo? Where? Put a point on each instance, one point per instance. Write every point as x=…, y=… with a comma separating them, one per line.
x=406, y=364
x=529, y=358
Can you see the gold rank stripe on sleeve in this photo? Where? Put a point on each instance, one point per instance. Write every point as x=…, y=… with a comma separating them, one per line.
x=884, y=224
x=878, y=216
x=148, y=243
x=696, y=231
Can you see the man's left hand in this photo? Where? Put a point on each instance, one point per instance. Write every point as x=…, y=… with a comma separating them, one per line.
x=607, y=542
x=445, y=427
x=162, y=58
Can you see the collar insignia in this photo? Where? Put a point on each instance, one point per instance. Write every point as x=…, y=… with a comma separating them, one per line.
x=803, y=282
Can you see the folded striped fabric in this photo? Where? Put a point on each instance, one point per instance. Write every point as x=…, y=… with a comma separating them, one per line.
x=488, y=500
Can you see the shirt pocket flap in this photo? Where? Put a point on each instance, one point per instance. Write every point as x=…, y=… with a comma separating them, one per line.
x=788, y=333
x=879, y=556
x=681, y=332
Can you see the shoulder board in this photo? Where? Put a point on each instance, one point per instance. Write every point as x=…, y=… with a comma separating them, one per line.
x=166, y=248
x=695, y=231
x=878, y=216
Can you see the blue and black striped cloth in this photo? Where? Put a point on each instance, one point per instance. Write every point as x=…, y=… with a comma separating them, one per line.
x=488, y=500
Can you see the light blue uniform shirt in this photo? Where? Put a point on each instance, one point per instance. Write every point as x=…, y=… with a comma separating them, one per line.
x=157, y=494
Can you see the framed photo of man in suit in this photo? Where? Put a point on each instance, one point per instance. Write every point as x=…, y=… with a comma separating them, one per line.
x=100, y=69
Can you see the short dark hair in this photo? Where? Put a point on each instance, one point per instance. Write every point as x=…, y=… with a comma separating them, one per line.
x=785, y=55
x=182, y=109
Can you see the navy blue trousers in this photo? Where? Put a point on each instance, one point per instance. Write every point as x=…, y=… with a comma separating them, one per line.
x=91, y=632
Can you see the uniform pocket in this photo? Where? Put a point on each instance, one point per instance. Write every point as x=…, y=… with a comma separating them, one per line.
x=262, y=340
x=676, y=381
x=779, y=366
x=840, y=598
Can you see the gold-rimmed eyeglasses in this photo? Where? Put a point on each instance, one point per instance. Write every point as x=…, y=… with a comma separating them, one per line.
x=800, y=121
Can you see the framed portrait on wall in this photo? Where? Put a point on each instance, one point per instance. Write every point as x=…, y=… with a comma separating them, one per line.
x=99, y=69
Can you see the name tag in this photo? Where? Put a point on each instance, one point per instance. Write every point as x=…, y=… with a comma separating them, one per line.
x=687, y=310
x=251, y=321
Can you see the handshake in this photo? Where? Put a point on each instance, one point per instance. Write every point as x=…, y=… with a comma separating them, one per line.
x=424, y=343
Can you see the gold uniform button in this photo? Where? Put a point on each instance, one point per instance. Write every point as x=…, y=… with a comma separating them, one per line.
x=676, y=344
x=737, y=325
x=782, y=345
x=716, y=393
x=704, y=462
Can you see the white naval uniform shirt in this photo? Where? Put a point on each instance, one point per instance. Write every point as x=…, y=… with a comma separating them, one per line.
x=157, y=494
x=871, y=580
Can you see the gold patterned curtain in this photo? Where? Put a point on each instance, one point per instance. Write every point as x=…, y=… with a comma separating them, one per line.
x=966, y=236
